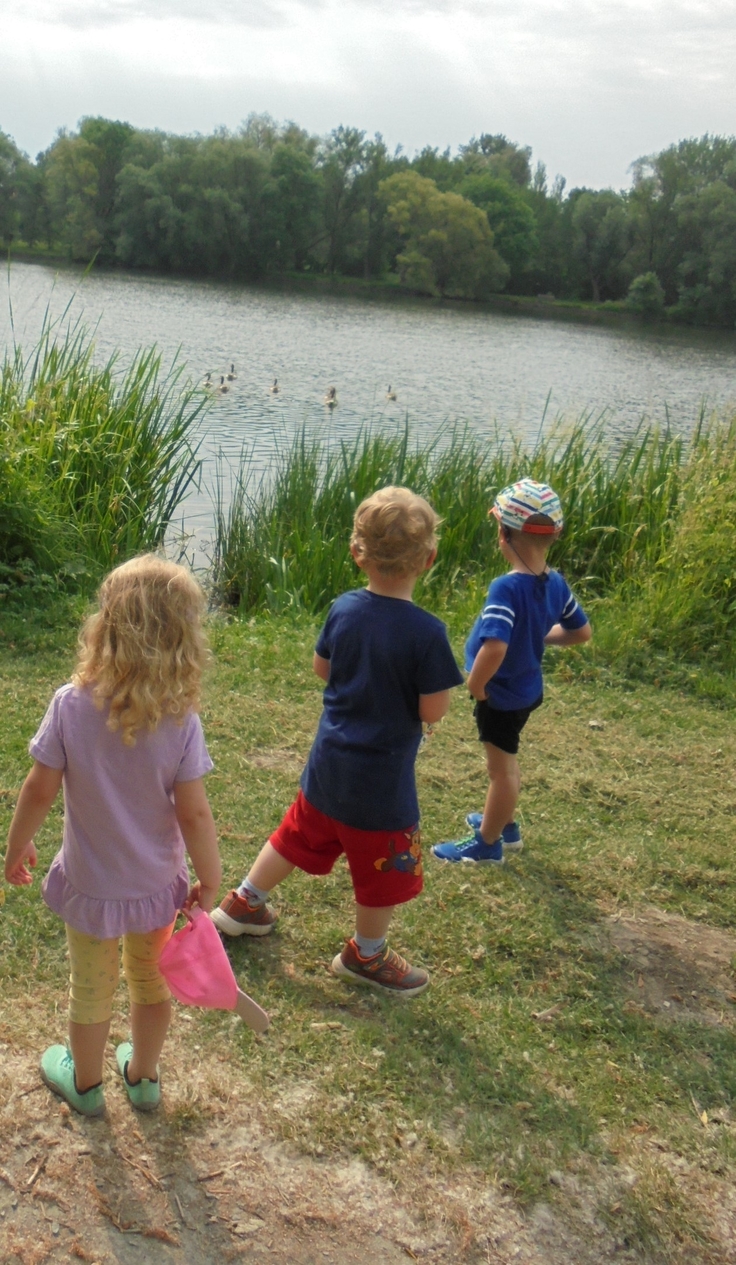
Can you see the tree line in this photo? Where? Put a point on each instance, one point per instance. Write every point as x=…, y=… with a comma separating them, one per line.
x=271, y=199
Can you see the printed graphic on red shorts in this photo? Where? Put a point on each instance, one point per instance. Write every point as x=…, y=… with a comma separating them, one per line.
x=404, y=854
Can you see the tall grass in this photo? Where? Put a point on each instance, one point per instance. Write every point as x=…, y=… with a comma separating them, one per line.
x=94, y=460
x=282, y=540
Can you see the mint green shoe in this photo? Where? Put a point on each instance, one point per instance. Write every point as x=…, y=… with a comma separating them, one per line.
x=57, y=1071
x=146, y=1095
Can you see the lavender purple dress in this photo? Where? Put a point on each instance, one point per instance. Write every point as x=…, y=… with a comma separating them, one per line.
x=121, y=867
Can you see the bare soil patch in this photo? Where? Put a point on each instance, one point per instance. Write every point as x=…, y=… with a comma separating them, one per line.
x=674, y=968
x=166, y=1190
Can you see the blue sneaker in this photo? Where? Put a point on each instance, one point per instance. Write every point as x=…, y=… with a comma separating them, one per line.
x=473, y=849
x=511, y=834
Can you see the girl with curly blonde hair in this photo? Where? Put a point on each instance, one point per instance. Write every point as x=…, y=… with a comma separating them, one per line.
x=125, y=741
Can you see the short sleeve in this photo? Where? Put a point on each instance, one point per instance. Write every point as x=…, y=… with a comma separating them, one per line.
x=47, y=744
x=195, y=760
x=573, y=615
x=437, y=668
x=499, y=613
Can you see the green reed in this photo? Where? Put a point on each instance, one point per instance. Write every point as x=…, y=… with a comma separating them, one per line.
x=282, y=540
x=94, y=459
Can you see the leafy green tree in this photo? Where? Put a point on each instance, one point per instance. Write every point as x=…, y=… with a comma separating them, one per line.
x=500, y=157
x=11, y=163
x=71, y=181
x=646, y=296
x=663, y=188
x=707, y=220
x=446, y=171
x=81, y=172
x=289, y=222
x=601, y=240
x=342, y=161
x=510, y=217
x=448, y=242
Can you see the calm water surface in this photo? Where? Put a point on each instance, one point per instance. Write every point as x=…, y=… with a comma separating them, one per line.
x=444, y=363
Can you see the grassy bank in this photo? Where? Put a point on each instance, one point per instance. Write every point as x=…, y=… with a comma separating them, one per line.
x=647, y=541
x=94, y=459
x=551, y=1054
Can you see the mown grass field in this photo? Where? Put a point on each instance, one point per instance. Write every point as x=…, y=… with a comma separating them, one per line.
x=551, y=1046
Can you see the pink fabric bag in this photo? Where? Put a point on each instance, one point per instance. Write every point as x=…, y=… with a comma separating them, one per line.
x=198, y=971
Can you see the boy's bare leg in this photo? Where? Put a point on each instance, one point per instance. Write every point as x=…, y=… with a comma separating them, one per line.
x=269, y=868
x=372, y=923
x=503, y=792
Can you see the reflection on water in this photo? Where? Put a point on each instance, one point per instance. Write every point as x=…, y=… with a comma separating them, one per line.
x=444, y=363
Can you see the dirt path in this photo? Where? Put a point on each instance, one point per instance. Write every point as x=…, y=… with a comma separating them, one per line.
x=136, y=1189
x=131, y=1189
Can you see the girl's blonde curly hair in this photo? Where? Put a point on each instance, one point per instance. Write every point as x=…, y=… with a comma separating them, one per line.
x=143, y=652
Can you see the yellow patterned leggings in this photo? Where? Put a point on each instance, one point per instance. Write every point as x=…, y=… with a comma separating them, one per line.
x=95, y=970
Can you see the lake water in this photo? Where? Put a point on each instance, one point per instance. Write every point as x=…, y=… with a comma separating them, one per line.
x=444, y=362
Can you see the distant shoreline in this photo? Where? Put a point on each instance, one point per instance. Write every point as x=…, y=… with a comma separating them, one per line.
x=541, y=307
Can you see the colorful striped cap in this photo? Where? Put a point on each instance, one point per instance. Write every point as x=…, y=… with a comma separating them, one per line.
x=519, y=502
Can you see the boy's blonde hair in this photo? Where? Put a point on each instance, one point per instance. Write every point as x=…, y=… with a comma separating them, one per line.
x=144, y=650
x=395, y=530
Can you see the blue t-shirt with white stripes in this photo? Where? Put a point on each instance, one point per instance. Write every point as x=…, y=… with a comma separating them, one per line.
x=520, y=609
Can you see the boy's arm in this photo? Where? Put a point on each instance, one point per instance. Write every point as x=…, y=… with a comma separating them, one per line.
x=36, y=797
x=432, y=707
x=485, y=665
x=197, y=825
x=321, y=667
x=559, y=636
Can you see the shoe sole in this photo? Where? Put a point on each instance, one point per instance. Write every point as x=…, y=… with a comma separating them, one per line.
x=89, y=1115
x=467, y=860
x=231, y=927
x=339, y=968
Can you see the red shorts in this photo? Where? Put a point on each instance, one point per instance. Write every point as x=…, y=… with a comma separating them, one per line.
x=385, y=865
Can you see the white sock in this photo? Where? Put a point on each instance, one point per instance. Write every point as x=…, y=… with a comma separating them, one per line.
x=254, y=895
x=369, y=948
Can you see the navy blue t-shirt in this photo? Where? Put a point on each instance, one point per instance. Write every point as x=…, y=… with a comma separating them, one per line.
x=384, y=652
x=520, y=610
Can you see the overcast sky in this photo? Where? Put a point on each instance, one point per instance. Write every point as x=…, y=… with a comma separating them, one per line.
x=589, y=84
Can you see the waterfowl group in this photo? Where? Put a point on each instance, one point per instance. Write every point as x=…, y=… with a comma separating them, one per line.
x=330, y=399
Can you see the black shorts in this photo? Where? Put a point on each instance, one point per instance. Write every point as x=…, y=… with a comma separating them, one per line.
x=502, y=729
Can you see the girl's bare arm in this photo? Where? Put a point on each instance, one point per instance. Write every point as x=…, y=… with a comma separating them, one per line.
x=36, y=797
x=197, y=825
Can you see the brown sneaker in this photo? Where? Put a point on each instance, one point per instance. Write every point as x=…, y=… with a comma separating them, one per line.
x=386, y=971
x=236, y=917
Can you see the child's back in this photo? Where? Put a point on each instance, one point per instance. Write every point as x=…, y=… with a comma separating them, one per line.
x=122, y=866
x=384, y=652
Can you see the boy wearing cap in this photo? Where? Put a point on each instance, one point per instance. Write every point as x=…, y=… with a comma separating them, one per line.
x=528, y=608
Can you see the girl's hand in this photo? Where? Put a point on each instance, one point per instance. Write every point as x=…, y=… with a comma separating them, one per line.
x=202, y=896
x=16, y=872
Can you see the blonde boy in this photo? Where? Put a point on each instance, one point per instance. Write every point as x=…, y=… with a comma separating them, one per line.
x=527, y=609
x=387, y=667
